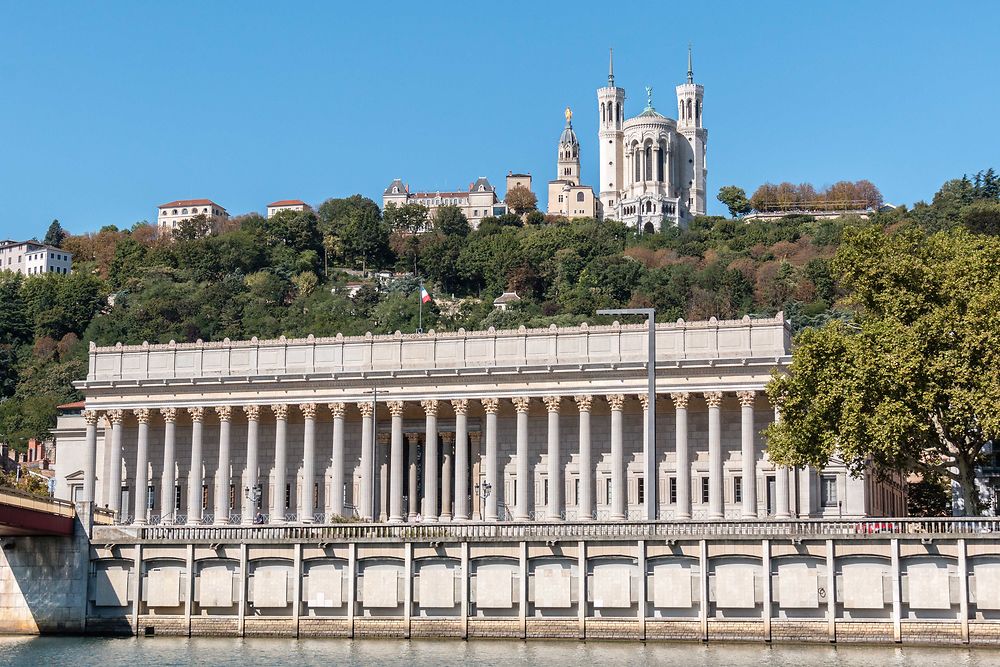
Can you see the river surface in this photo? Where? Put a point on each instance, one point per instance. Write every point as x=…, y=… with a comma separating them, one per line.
x=211, y=652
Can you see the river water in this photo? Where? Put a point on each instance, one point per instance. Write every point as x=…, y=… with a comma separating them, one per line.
x=211, y=652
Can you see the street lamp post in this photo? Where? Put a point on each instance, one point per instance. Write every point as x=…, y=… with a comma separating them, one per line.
x=650, y=504
x=483, y=491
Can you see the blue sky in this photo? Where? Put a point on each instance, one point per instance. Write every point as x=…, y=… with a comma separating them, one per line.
x=109, y=109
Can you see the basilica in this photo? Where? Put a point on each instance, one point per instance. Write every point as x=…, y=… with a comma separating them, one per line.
x=652, y=168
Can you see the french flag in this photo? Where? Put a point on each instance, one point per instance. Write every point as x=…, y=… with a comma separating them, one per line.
x=425, y=296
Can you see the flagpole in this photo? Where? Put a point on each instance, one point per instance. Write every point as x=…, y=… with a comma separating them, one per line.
x=420, y=297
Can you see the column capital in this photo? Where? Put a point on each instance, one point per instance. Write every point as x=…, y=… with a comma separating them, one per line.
x=395, y=408
x=746, y=397
x=142, y=415
x=490, y=405
x=643, y=400
x=583, y=402
x=169, y=414
x=225, y=412
x=474, y=437
x=430, y=407
x=412, y=438
x=383, y=438
x=252, y=412
x=447, y=437
x=337, y=410
x=280, y=410
x=552, y=403
x=713, y=398
x=616, y=401
x=366, y=409
x=308, y=410
x=521, y=403
x=680, y=399
x=115, y=417
x=197, y=414
x=461, y=406
x=90, y=416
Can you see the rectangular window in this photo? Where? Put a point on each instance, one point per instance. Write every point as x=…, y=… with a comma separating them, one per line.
x=828, y=490
x=576, y=491
x=315, y=495
x=641, y=490
x=737, y=489
x=288, y=495
x=607, y=491
x=177, y=498
x=150, y=496
x=673, y=490
x=204, y=496
x=704, y=489
x=232, y=496
x=545, y=491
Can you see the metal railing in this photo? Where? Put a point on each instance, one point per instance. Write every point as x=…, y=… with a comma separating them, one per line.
x=553, y=531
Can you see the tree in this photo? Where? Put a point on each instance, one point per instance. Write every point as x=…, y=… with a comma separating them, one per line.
x=735, y=199
x=450, y=221
x=55, y=235
x=521, y=200
x=192, y=228
x=911, y=385
x=930, y=496
x=366, y=237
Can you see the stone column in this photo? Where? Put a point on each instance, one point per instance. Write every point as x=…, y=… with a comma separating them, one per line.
x=716, y=510
x=280, y=474
x=781, y=510
x=396, y=462
x=585, y=502
x=412, y=501
x=683, y=510
x=90, y=457
x=335, y=501
x=195, y=480
x=307, y=507
x=430, y=509
x=142, y=468
x=617, y=511
x=366, y=490
x=251, y=481
x=521, y=405
x=462, y=467
x=490, y=407
x=222, y=477
x=115, y=418
x=648, y=484
x=448, y=443
x=168, y=483
x=553, y=509
x=747, y=455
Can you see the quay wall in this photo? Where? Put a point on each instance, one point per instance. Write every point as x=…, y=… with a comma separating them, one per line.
x=904, y=581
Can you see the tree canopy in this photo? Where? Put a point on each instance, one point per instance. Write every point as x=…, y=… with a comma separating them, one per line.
x=912, y=383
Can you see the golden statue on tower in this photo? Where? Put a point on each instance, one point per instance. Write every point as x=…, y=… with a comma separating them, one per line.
x=569, y=116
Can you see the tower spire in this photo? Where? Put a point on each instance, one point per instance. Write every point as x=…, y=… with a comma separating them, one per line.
x=690, y=67
x=611, y=68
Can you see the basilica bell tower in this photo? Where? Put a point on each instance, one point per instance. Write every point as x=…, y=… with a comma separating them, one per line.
x=611, y=103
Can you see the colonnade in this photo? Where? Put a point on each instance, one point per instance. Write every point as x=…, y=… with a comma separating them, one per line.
x=447, y=461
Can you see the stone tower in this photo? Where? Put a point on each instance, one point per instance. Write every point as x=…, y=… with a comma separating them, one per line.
x=569, y=153
x=693, y=170
x=611, y=103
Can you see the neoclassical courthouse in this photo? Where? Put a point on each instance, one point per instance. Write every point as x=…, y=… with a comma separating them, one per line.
x=520, y=425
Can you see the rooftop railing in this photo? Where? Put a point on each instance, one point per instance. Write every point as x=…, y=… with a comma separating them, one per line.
x=555, y=531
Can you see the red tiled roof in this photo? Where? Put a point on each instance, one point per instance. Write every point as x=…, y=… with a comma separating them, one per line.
x=287, y=202
x=189, y=202
x=76, y=405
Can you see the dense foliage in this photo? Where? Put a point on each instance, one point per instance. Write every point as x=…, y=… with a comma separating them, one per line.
x=294, y=274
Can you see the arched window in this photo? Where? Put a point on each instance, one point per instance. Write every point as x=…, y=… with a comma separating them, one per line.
x=395, y=191
x=689, y=110
x=579, y=196
x=649, y=163
x=697, y=111
x=618, y=112
x=175, y=211
x=604, y=112
x=184, y=211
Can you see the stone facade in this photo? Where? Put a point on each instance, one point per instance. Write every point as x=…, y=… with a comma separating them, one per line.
x=493, y=425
